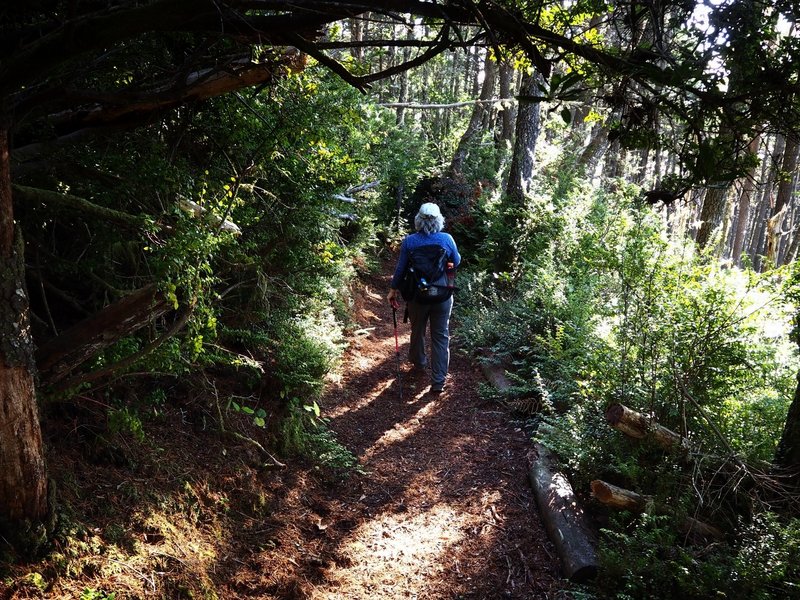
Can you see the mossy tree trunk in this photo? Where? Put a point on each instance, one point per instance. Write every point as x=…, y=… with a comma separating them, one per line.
x=23, y=480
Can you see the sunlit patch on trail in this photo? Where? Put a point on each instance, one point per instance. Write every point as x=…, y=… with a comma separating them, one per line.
x=416, y=396
x=400, y=431
x=342, y=410
x=397, y=555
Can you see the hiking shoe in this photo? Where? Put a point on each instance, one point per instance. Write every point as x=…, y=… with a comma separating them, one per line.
x=437, y=388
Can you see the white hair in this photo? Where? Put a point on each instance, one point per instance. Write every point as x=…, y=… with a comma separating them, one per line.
x=428, y=223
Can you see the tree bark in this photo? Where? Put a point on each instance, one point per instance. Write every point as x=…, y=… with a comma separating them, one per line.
x=402, y=97
x=507, y=114
x=23, y=476
x=712, y=212
x=591, y=153
x=520, y=173
x=783, y=199
x=766, y=203
x=787, y=170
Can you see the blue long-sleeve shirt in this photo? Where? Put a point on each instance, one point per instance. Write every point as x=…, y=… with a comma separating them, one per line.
x=415, y=240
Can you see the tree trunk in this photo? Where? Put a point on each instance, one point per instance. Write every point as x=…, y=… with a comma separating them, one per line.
x=788, y=452
x=766, y=203
x=520, y=173
x=787, y=170
x=745, y=200
x=712, y=212
x=639, y=426
x=783, y=199
x=23, y=477
x=357, y=35
x=617, y=497
x=591, y=153
x=615, y=160
x=504, y=128
x=473, y=129
x=403, y=96
x=507, y=115
x=789, y=246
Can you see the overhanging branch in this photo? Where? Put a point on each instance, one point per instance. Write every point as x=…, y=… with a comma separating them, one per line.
x=23, y=193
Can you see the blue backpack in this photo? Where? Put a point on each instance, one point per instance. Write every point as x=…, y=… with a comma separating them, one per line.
x=427, y=279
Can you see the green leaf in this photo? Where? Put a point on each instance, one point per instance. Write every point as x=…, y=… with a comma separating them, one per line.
x=248, y=411
x=259, y=421
x=566, y=114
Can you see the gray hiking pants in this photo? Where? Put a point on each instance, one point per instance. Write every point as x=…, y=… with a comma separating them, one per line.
x=439, y=317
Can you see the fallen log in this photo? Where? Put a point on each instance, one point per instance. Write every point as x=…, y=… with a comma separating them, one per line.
x=617, y=497
x=495, y=373
x=700, y=531
x=639, y=426
x=57, y=358
x=563, y=518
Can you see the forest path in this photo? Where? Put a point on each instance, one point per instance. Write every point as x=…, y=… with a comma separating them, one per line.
x=443, y=508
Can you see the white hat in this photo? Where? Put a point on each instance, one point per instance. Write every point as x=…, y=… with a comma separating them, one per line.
x=429, y=209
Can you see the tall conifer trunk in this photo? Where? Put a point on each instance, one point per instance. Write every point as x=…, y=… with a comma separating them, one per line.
x=23, y=481
x=520, y=172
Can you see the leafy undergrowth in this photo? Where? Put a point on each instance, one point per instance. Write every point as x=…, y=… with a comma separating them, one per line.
x=438, y=507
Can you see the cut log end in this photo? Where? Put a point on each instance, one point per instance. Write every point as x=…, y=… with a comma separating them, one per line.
x=614, y=414
x=617, y=497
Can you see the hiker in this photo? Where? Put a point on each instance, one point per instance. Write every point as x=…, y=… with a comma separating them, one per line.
x=421, y=310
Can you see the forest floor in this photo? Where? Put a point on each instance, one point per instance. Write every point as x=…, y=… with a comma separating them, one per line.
x=440, y=507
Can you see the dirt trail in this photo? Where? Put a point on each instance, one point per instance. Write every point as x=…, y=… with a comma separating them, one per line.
x=443, y=508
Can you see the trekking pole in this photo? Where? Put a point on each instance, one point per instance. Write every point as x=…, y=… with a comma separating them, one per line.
x=395, y=306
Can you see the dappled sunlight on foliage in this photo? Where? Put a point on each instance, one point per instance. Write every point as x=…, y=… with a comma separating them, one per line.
x=608, y=306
